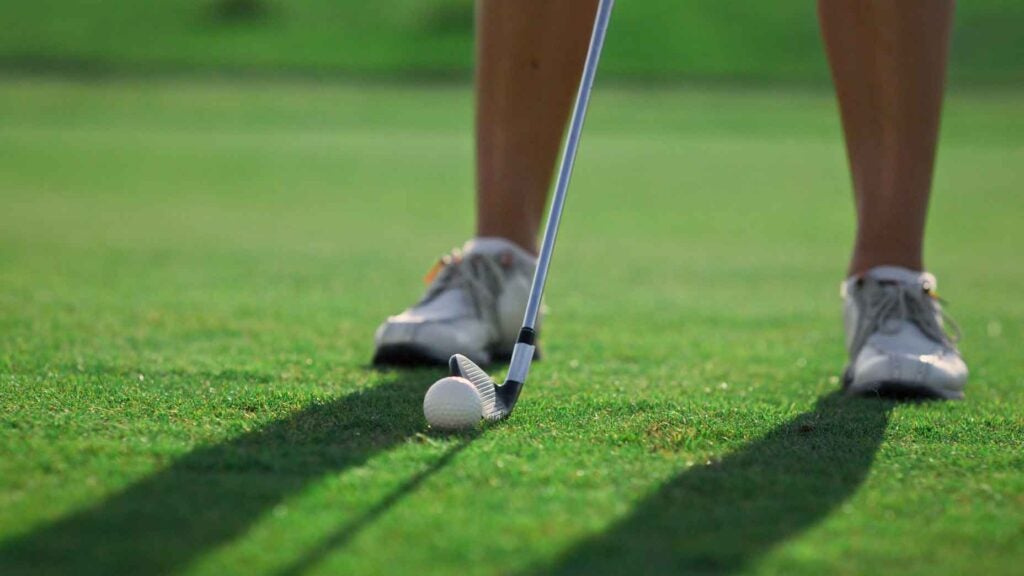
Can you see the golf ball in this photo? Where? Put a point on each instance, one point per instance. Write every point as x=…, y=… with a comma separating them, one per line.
x=452, y=403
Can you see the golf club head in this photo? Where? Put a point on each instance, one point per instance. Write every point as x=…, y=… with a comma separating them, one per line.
x=498, y=401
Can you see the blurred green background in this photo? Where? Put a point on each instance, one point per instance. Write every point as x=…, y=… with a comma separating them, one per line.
x=651, y=39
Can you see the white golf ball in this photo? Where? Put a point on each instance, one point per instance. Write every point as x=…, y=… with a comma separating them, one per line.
x=452, y=403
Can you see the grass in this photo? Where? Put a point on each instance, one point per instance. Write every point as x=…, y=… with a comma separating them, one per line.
x=191, y=273
x=652, y=39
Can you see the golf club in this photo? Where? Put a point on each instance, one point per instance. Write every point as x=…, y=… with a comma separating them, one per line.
x=499, y=400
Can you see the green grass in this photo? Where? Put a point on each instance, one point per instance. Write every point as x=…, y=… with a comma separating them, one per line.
x=191, y=273
x=668, y=39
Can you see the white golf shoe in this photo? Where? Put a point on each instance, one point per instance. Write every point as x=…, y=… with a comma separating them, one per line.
x=897, y=337
x=473, y=306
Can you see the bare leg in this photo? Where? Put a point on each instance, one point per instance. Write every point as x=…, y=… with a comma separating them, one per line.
x=530, y=55
x=888, y=62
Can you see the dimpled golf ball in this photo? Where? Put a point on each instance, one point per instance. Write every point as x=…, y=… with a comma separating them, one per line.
x=453, y=403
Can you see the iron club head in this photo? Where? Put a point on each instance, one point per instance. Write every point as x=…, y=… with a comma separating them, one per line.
x=498, y=401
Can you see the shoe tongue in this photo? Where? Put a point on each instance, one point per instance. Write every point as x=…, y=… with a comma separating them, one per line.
x=902, y=275
x=492, y=245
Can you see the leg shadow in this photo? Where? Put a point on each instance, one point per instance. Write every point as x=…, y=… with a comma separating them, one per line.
x=210, y=496
x=718, y=518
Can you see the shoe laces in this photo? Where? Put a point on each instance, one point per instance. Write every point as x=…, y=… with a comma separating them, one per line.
x=887, y=303
x=479, y=275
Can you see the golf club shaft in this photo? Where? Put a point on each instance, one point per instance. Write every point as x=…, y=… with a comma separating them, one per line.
x=523, y=352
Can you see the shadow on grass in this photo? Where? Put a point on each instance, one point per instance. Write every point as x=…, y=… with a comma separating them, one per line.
x=719, y=518
x=341, y=537
x=211, y=496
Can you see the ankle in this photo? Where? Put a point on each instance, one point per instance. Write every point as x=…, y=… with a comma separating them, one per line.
x=864, y=260
x=525, y=242
x=497, y=245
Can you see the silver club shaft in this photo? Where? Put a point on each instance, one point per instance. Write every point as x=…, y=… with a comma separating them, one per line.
x=522, y=354
x=572, y=143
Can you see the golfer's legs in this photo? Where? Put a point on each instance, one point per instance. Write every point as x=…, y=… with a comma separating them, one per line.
x=530, y=55
x=888, y=61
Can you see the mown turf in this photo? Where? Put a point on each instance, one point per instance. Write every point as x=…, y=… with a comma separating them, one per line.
x=668, y=39
x=191, y=272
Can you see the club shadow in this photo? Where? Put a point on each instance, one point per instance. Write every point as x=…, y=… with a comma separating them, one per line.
x=210, y=496
x=345, y=533
x=719, y=518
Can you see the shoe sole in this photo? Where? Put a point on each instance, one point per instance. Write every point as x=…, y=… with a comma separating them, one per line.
x=899, y=390
x=406, y=356
x=414, y=355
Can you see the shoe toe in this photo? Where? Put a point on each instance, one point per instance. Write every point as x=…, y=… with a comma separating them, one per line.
x=940, y=373
x=947, y=373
